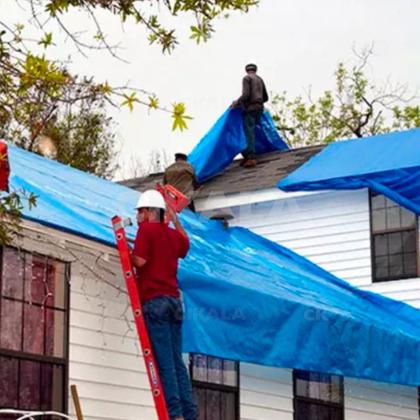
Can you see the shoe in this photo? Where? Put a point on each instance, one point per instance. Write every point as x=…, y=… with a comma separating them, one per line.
x=250, y=163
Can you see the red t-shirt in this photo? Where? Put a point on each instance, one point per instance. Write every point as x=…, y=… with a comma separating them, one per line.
x=160, y=246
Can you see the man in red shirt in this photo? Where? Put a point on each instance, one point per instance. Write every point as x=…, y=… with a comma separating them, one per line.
x=157, y=249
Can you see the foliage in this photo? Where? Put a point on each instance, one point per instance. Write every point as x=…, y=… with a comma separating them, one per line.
x=147, y=13
x=355, y=108
x=11, y=206
x=84, y=138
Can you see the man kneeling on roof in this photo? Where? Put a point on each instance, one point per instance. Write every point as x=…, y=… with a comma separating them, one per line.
x=181, y=175
x=155, y=255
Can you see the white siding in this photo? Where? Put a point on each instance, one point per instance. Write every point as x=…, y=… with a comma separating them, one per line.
x=266, y=393
x=105, y=361
x=366, y=400
x=332, y=229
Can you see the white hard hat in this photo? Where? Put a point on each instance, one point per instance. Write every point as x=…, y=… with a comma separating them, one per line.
x=151, y=199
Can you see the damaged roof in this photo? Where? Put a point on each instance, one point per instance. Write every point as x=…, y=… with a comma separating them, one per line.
x=271, y=168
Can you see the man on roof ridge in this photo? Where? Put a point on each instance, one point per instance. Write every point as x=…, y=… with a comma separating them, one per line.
x=254, y=95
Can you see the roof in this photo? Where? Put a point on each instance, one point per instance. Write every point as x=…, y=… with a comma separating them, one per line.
x=246, y=298
x=387, y=163
x=271, y=168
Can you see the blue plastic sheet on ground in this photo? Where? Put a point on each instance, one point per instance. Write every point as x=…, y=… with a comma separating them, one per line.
x=388, y=164
x=226, y=139
x=246, y=298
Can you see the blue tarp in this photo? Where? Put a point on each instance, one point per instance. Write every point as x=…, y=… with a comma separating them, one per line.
x=226, y=139
x=388, y=164
x=246, y=298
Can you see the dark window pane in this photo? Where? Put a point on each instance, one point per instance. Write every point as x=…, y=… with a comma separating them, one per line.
x=30, y=377
x=393, y=220
x=12, y=274
x=230, y=373
x=310, y=411
x=408, y=218
x=56, y=280
x=378, y=202
x=381, y=245
x=35, y=279
x=378, y=220
x=381, y=267
x=395, y=243
x=409, y=241
x=11, y=325
x=215, y=370
x=410, y=264
x=55, y=332
x=8, y=382
x=33, y=329
x=395, y=265
x=228, y=406
x=52, y=386
x=213, y=404
x=199, y=367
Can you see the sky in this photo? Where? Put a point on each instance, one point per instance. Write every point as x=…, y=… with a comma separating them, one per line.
x=296, y=44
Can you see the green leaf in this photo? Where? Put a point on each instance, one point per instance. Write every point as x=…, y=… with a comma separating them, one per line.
x=46, y=41
x=129, y=100
x=179, y=117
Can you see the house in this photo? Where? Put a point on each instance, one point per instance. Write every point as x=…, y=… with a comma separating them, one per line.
x=360, y=236
x=65, y=318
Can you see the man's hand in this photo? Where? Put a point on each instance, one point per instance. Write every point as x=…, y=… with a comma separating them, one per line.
x=138, y=262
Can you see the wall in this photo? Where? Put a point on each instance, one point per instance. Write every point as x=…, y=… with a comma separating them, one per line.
x=109, y=372
x=105, y=361
x=332, y=229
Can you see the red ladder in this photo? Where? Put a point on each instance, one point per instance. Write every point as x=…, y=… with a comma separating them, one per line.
x=124, y=250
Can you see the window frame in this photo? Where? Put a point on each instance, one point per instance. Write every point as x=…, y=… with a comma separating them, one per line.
x=218, y=387
x=21, y=355
x=297, y=398
x=390, y=231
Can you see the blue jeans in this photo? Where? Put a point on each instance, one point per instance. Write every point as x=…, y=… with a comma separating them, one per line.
x=251, y=119
x=163, y=316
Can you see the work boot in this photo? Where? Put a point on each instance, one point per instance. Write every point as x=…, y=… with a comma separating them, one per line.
x=250, y=163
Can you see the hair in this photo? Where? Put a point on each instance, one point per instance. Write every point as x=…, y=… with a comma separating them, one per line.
x=160, y=213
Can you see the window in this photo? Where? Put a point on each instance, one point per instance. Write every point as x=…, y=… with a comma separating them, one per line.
x=394, y=240
x=33, y=331
x=318, y=396
x=216, y=387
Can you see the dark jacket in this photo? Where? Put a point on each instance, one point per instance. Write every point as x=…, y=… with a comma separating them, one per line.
x=254, y=93
x=181, y=175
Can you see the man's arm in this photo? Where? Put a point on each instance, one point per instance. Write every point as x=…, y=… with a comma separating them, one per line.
x=173, y=217
x=246, y=92
x=265, y=94
x=138, y=262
